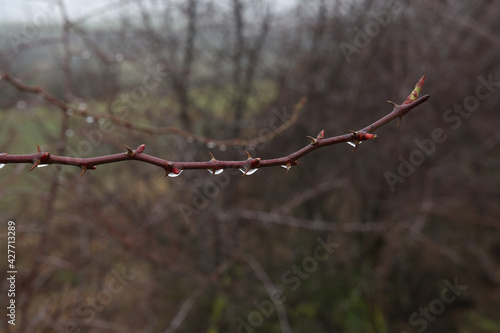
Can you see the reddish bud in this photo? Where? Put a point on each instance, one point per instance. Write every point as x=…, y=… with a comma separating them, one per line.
x=321, y=135
x=171, y=169
x=255, y=162
x=45, y=157
x=368, y=136
x=140, y=149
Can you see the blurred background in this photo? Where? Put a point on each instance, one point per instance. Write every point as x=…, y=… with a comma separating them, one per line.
x=399, y=236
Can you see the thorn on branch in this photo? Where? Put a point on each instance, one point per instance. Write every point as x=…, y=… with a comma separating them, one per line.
x=393, y=104
x=129, y=152
x=36, y=163
x=314, y=141
x=85, y=168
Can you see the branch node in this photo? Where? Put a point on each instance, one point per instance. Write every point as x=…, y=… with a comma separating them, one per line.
x=214, y=171
x=252, y=165
x=360, y=136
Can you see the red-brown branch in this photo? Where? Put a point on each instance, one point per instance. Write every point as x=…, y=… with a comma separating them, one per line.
x=251, y=163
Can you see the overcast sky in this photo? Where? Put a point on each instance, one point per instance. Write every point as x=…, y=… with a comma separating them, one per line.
x=28, y=10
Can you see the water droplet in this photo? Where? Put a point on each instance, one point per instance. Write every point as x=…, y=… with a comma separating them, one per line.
x=119, y=57
x=82, y=106
x=21, y=105
x=2, y=165
x=287, y=166
x=69, y=132
x=222, y=147
x=173, y=175
x=215, y=171
x=101, y=121
x=211, y=145
x=249, y=172
x=41, y=165
x=353, y=144
x=86, y=55
x=89, y=119
x=69, y=112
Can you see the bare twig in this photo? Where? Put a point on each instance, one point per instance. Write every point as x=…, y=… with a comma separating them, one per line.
x=270, y=289
x=63, y=106
x=183, y=311
x=295, y=222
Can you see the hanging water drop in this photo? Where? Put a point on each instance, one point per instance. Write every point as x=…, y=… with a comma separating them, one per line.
x=215, y=171
x=222, y=147
x=247, y=172
x=21, y=105
x=86, y=55
x=89, y=119
x=211, y=145
x=173, y=175
x=119, y=57
x=354, y=144
x=69, y=112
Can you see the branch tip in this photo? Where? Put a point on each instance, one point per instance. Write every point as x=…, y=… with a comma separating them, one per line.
x=38, y=149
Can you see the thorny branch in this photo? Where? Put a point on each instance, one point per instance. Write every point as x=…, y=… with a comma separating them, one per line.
x=247, y=166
